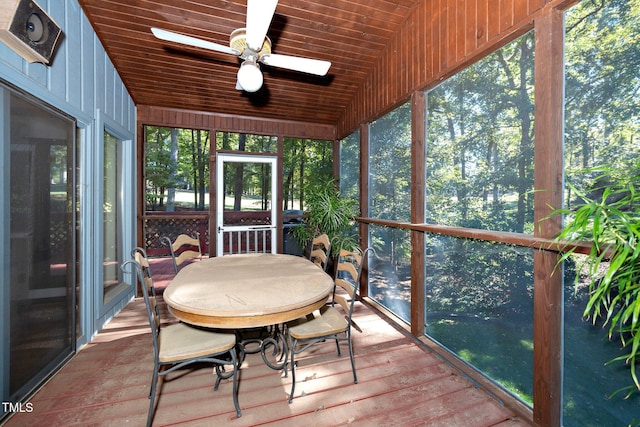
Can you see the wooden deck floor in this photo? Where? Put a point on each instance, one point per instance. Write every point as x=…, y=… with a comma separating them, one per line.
x=400, y=384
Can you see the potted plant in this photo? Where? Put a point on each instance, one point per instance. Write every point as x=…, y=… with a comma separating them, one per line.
x=326, y=211
x=609, y=217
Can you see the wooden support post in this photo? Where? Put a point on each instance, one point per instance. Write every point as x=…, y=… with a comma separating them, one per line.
x=364, y=202
x=548, y=295
x=418, y=111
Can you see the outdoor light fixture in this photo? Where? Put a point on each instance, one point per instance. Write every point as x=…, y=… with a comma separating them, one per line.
x=250, y=76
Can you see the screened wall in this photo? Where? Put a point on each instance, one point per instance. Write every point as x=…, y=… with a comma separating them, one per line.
x=485, y=202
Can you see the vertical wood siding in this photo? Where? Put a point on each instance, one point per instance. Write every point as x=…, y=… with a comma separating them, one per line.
x=438, y=38
x=150, y=115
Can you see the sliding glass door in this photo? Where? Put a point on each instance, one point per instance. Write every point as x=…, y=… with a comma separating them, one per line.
x=39, y=295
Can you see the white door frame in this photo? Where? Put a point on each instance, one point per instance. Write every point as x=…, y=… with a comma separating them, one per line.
x=221, y=229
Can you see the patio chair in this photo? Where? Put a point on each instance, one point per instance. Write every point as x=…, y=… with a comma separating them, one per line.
x=178, y=345
x=140, y=256
x=256, y=340
x=320, y=251
x=183, y=248
x=331, y=323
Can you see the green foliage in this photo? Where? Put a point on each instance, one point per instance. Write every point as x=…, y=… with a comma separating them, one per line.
x=390, y=165
x=350, y=165
x=328, y=212
x=602, y=83
x=479, y=153
x=609, y=217
x=304, y=161
x=175, y=158
x=485, y=279
x=390, y=180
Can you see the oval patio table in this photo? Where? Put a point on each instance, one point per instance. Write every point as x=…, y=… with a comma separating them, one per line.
x=247, y=290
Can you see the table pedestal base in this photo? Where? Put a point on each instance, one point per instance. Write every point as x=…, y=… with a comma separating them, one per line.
x=269, y=341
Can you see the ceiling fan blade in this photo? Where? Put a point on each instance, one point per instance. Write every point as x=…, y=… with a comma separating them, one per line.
x=306, y=65
x=259, y=16
x=191, y=41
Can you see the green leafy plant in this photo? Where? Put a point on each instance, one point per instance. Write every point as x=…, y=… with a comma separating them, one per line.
x=609, y=217
x=326, y=211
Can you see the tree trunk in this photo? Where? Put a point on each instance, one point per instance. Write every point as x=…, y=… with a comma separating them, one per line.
x=302, y=159
x=288, y=185
x=238, y=178
x=171, y=192
x=524, y=107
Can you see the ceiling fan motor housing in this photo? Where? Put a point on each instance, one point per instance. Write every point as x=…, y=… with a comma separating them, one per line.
x=252, y=47
x=238, y=41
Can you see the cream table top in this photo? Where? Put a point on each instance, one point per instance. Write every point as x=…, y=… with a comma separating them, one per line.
x=247, y=290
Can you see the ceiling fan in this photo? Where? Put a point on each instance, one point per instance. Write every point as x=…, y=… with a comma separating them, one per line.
x=253, y=46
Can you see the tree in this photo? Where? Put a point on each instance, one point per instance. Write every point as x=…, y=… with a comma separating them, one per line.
x=175, y=158
x=200, y=163
x=389, y=177
x=602, y=89
x=306, y=161
x=158, y=166
x=171, y=191
x=602, y=120
x=480, y=143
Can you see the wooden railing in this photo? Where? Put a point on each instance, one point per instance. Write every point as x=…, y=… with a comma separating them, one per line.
x=252, y=239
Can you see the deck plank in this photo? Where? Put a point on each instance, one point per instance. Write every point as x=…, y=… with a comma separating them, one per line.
x=399, y=383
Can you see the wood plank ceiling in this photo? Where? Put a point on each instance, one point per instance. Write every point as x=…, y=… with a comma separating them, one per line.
x=351, y=34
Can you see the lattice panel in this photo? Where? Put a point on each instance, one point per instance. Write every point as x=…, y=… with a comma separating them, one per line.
x=171, y=226
x=247, y=218
x=58, y=236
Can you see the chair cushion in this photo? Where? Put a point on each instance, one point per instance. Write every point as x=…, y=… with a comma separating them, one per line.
x=181, y=341
x=330, y=322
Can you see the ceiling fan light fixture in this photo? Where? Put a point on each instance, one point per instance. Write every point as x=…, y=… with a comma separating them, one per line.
x=253, y=46
x=250, y=76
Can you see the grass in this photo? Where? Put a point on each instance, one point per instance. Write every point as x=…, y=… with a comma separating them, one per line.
x=504, y=353
x=498, y=350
